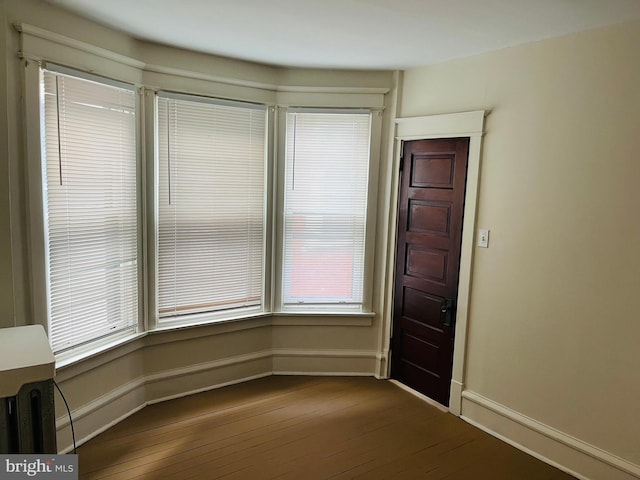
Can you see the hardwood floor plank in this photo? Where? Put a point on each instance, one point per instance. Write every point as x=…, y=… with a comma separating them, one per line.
x=292, y=428
x=163, y=435
x=304, y=426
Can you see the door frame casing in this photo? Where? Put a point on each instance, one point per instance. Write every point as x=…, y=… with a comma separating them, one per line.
x=465, y=124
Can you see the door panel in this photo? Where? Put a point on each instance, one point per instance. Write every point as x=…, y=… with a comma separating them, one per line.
x=427, y=264
x=427, y=217
x=422, y=308
x=418, y=348
x=432, y=171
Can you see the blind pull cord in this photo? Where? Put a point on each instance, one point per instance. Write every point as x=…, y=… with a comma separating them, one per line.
x=293, y=161
x=168, y=154
x=58, y=121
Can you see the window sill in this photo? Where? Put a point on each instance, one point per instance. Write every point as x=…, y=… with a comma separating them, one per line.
x=203, y=320
x=66, y=360
x=344, y=319
x=328, y=318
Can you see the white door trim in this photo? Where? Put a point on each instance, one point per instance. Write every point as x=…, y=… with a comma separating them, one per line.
x=466, y=124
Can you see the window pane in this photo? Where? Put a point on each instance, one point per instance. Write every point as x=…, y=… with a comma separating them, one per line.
x=89, y=160
x=327, y=165
x=211, y=205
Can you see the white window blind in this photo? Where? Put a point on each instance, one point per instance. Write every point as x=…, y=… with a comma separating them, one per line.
x=89, y=167
x=327, y=167
x=211, y=233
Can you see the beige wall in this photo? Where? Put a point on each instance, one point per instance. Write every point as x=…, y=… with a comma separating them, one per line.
x=554, y=318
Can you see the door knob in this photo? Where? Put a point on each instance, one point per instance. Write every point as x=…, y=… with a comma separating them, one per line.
x=447, y=308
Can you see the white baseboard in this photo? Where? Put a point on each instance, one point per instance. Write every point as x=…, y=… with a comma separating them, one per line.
x=290, y=352
x=95, y=433
x=116, y=405
x=100, y=402
x=97, y=416
x=204, y=367
x=323, y=374
x=324, y=362
x=210, y=387
x=63, y=424
x=552, y=446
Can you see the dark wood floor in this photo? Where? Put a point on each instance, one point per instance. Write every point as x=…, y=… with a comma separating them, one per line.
x=300, y=428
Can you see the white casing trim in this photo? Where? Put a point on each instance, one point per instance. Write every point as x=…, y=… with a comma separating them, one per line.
x=382, y=360
x=455, y=396
x=453, y=125
x=464, y=124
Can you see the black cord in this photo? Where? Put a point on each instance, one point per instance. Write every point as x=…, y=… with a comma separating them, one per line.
x=73, y=433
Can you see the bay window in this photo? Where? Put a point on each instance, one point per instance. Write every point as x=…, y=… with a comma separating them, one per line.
x=249, y=208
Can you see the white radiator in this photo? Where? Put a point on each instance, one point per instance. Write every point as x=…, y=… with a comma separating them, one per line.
x=27, y=415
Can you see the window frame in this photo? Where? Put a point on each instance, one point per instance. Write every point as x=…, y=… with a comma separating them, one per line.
x=33, y=112
x=153, y=181
x=370, y=216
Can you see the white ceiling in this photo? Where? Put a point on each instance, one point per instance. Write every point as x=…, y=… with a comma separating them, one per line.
x=385, y=34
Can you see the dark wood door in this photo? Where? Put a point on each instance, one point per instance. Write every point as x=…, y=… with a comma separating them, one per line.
x=427, y=264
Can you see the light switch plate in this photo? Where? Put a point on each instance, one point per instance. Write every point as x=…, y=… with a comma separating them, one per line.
x=483, y=238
